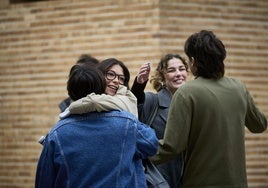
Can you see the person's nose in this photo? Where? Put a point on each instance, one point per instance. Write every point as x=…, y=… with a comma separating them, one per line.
x=178, y=72
x=116, y=80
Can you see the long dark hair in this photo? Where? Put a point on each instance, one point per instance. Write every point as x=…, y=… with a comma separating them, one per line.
x=107, y=63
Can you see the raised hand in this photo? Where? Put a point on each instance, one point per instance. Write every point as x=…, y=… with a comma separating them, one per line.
x=143, y=74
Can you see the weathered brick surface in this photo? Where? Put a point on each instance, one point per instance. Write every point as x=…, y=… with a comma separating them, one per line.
x=40, y=41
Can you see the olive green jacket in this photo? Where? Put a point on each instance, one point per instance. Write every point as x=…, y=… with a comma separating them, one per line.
x=206, y=122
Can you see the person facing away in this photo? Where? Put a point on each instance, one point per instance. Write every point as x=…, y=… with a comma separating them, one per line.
x=83, y=59
x=207, y=120
x=97, y=149
x=171, y=73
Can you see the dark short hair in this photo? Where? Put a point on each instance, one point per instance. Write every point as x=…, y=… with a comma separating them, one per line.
x=83, y=80
x=208, y=53
x=107, y=63
x=87, y=59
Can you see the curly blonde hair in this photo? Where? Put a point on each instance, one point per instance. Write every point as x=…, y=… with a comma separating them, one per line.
x=158, y=79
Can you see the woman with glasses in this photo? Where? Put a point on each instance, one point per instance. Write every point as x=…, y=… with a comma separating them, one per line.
x=116, y=73
x=117, y=94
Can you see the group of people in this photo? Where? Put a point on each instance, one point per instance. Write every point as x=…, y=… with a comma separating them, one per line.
x=195, y=135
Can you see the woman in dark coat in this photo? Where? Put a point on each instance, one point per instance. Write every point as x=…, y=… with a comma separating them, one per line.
x=171, y=73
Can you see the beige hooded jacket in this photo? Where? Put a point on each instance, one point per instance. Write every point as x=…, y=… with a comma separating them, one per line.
x=123, y=100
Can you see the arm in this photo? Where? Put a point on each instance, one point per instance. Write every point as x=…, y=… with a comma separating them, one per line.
x=138, y=90
x=147, y=142
x=177, y=130
x=45, y=174
x=256, y=121
x=123, y=100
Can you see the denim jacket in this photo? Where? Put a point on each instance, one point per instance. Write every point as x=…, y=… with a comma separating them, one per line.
x=96, y=150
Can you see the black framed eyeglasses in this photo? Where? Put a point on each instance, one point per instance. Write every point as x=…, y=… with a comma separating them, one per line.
x=111, y=75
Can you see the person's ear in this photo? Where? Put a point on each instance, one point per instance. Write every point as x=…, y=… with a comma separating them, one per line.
x=193, y=66
x=192, y=62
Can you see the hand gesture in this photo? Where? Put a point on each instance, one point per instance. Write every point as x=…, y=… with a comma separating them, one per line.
x=143, y=74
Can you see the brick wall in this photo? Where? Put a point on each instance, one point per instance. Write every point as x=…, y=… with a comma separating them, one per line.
x=40, y=41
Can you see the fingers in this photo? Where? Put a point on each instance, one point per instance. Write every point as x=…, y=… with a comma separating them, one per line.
x=145, y=68
x=143, y=74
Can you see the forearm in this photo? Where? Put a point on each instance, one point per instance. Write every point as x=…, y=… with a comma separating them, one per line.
x=138, y=90
x=164, y=154
x=255, y=121
x=123, y=100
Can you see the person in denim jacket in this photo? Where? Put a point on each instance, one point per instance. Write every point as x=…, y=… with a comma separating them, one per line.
x=97, y=149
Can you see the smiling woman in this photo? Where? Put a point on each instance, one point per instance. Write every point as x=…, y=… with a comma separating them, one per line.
x=170, y=74
x=116, y=73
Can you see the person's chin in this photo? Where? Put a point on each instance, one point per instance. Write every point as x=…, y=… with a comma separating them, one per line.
x=175, y=87
x=179, y=85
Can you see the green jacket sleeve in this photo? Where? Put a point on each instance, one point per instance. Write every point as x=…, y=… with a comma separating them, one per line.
x=255, y=121
x=177, y=130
